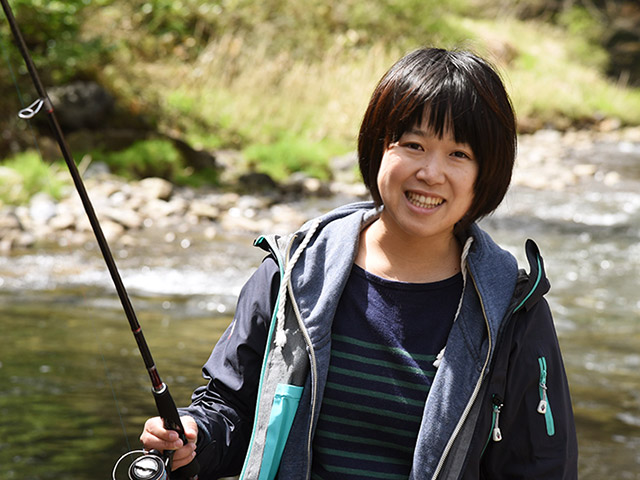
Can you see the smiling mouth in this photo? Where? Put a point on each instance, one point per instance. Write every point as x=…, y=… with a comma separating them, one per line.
x=422, y=201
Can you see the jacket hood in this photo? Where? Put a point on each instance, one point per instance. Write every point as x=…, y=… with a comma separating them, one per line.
x=318, y=257
x=317, y=262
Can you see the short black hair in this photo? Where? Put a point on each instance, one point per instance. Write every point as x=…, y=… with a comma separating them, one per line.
x=459, y=92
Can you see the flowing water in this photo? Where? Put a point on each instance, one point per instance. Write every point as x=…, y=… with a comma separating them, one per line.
x=74, y=392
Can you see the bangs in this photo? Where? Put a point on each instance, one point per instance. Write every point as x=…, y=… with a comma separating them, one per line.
x=446, y=103
x=451, y=93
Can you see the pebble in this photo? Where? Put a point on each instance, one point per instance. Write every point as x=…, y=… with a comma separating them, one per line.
x=547, y=160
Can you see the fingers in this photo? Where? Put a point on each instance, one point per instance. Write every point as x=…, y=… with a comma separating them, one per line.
x=156, y=437
x=190, y=428
x=184, y=455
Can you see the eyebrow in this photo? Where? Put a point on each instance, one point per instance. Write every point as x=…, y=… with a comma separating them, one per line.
x=418, y=131
x=424, y=133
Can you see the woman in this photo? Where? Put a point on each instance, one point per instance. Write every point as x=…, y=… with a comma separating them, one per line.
x=395, y=339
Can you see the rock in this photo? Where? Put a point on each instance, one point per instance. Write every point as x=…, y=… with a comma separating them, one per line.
x=609, y=124
x=301, y=184
x=585, y=170
x=62, y=221
x=81, y=105
x=226, y=200
x=15, y=239
x=353, y=190
x=156, y=209
x=156, y=188
x=9, y=221
x=96, y=170
x=112, y=230
x=240, y=224
x=203, y=209
x=256, y=182
x=344, y=168
x=123, y=216
x=42, y=208
x=199, y=159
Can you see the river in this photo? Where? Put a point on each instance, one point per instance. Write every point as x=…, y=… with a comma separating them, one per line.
x=74, y=392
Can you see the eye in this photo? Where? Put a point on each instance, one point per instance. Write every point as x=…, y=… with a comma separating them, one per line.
x=413, y=146
x=462, y=154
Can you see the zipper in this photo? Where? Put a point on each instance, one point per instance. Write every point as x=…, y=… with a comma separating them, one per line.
x=313, y=371
x=496, y=433
x=272, y=329
x=313, y=366
x=474, y=394
x=544, y=408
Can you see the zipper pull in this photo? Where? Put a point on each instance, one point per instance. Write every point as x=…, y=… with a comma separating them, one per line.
x=542, y=405
x=496, y=434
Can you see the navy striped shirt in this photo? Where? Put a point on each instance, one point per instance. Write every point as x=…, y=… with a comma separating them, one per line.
x=385, y=337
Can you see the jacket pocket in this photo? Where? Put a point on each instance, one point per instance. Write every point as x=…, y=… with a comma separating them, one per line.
x=283, y=410
x=544, y=407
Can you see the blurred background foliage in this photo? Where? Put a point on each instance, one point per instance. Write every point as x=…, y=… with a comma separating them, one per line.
x=286, y=81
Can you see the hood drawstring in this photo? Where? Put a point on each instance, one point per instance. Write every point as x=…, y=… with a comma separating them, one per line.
x=463, y=270
x=281, y=336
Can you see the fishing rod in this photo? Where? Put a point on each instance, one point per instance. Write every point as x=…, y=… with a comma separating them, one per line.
x=153, y=465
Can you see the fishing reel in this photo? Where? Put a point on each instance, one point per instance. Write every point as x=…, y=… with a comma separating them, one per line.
x=153, y=465
x=146, y=466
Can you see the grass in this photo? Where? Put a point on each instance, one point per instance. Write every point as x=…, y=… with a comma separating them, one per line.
x=288, y=85
x=554, y=79
x=26, y=174
x=234, y=94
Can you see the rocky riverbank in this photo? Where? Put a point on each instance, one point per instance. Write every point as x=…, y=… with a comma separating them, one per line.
x=547, y=160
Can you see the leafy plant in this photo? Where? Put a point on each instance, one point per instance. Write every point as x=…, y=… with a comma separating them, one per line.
x=155, y=158
x=25, y=174
x=289, y=155
x=144, y=158
x=51, y=30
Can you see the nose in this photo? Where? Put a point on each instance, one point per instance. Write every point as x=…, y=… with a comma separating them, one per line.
x=431, y=170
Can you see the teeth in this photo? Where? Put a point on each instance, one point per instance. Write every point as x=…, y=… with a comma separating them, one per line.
x=422, y=201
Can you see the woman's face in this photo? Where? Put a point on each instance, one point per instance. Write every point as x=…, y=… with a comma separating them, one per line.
x=426, y=184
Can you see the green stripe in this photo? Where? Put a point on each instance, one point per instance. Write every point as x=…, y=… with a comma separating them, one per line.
x=380, y=378
x=385, y=348
x=533, y=289
x=363, y=456
x=377, y=411
x=362, y=440
x=367, y=473
x=379, y=363
x=372, y=426
x=375, y=394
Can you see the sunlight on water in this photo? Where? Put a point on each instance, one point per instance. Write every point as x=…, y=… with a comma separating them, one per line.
x=72, y=382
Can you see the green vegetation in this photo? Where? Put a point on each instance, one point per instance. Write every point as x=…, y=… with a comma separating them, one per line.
x=153, y=158
x=26, y=174
x=288, y=155
x=287, y=81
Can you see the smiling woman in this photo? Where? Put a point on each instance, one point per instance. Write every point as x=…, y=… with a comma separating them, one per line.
x=439, y=92
x=399, y=316
x=426, y=184
x=436, y=148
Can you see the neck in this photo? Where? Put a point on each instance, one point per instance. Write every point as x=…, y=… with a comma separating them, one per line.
x=408, y=259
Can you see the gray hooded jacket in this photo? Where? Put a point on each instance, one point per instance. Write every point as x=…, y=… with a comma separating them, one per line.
x=283, y=329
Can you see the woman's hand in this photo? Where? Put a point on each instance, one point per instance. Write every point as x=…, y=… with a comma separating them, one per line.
x=156, y=437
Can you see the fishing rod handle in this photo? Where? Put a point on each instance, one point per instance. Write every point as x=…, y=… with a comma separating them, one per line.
x=171, y=418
